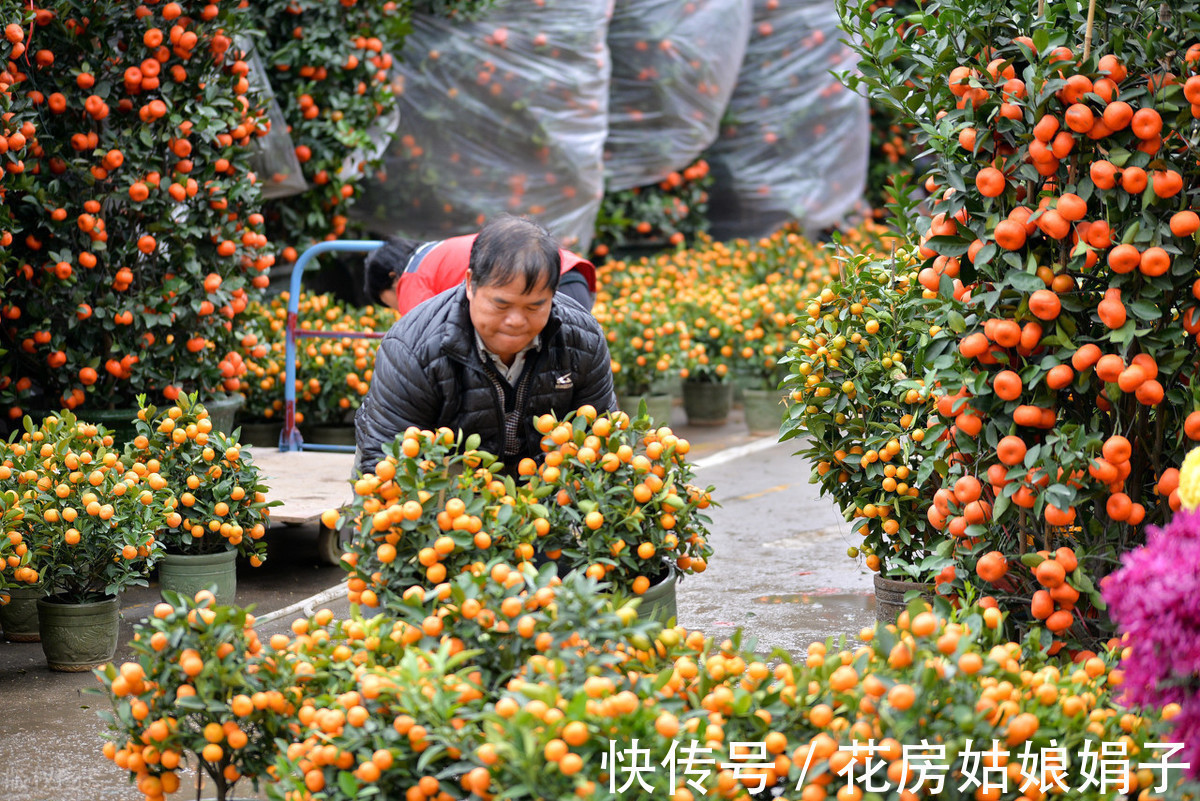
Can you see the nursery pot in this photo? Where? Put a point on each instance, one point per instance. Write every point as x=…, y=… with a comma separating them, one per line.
x=707, y=403
x=187, y=574
x=19, y=617
x=221, y=410
x=665, y=385
x=764, y=414
x=889, y=597
x=78, y=637
x=657, y=406
x=658, y=602
x=121, y=422
x=264, y=435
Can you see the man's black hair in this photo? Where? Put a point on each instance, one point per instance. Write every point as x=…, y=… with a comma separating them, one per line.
x=510, y=248
x=384, y=265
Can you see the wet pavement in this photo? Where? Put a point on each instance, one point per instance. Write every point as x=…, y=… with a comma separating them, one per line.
x=779, y=571
x=779, y=568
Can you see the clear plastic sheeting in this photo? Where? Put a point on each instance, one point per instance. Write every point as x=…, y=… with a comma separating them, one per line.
x=274, y=159
x=675, y=63
x=379, y=133
x=794, y=142
x=505, y=113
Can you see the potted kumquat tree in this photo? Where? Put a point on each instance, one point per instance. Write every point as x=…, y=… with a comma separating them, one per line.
x=1059, y=248
x=430, y=509
x=622, y=507
x=859, y=401
x=642, y=348
x=202, y=688
x=18, y=597
x=219, y=509
x=86, y=531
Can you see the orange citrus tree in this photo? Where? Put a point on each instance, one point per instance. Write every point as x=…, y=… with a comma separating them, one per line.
x=134, y=242
x=611, y=498
x=722, y=309
x=201, y=692
x=862, y=407
x=220, y=503
x=329, y=66
x=87, y=520
x=1059, y=250
x=368, y=708
x=667, y=213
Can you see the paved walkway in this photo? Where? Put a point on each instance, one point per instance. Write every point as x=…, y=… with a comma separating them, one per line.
x=779, y=571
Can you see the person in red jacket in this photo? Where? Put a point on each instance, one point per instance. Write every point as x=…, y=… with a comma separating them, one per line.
x=404, y=272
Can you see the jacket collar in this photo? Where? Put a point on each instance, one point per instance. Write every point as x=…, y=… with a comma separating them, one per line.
x=459, y=339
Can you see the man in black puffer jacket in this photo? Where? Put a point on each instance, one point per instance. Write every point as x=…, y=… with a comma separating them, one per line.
x=490, y=355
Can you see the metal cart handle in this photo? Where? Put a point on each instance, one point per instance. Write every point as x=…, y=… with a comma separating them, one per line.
x=290, y=438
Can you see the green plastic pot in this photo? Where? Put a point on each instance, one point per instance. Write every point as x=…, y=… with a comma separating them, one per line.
x=329, y=435
x=658, y=602
x=121, y=422
x=764, y=413
x=264, y=435
x=222, y=409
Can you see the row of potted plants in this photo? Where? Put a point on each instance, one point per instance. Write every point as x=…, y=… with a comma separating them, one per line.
x=353, y=708
x=483, y=676
x=86, y=517
x=717, y=314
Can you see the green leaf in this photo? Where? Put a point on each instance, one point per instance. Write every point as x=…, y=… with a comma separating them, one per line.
x=1144, y=309
x=1023, y=281
x=1032, y=559
x=1123, y=334
x=1131, y=232
x=347, y=783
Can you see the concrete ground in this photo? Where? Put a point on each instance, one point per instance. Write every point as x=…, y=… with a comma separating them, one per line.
x=779, y=571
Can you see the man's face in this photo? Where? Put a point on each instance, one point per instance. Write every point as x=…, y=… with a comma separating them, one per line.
x=388, y=297
x=506, y=317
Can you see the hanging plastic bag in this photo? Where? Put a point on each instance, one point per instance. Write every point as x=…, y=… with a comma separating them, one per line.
x=674, y=68
x=794, y=143
x=380, y=134
x=274, y=160
x=505, y=113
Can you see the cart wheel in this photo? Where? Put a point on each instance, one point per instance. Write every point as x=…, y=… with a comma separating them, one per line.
x=332, y=543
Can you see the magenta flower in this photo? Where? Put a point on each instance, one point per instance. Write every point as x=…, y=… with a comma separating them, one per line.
x=1155, y=599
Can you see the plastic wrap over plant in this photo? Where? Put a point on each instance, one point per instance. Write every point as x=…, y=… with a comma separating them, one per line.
x=793, y=145
x=506, y=113
x=274, y=157
x=674, y=68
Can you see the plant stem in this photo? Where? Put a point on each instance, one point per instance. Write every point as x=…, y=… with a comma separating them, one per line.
x=1087, y=35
